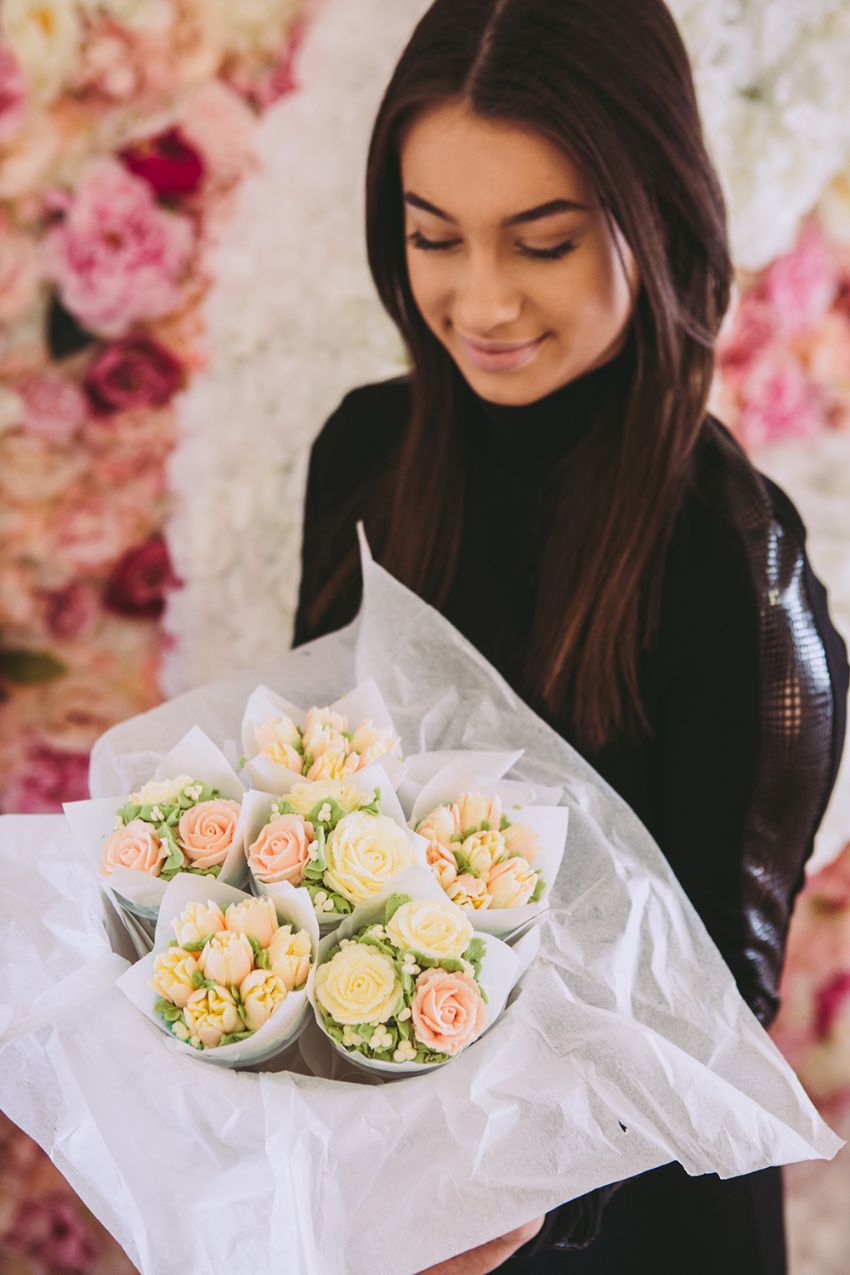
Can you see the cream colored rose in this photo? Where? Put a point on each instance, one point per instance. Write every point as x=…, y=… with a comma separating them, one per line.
x=441, y=825
x=198, y=921
x=483, y=849
x=278, y=738
x=511, y=883
x=255, y=918
x=134, y=845
x=520, y=839
x=359, y=985
x=227, y=958
x=474, y=809
x=303, y=797
x=442, y=863
x=470, y=892
x=211, y=1013
x=431, y=927
x=364, y=852
x=261, y=992
x=157, y=792
x=173, y=970
x=289, y=956
x=334, y=764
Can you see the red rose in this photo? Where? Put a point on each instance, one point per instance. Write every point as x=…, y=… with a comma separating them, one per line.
x=168, y=163
x=134, y=372
x=138, y=584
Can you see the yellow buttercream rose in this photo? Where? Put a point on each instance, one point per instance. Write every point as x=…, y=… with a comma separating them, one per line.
x=431, y=927
x=365, y=852
x=359, y=985
x=173, y=971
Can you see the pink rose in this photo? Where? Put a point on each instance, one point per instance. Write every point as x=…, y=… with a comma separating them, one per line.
x=117, y=257
x=779, y=402
x=87, y=532
x=50, y=1232
x=802, y=285
x=123, y=445
x=222, y=127
x=752, y=329
x=282, y=850
x=46, y=778
x=832, y=999
x=139, y=583
x=70, y=612
x=262, y=84
x=206, y=832
x=131, y=373
x=13, y=92
x=447, y=1011
x=54, y=407
x=20, y=273
x=134, y=846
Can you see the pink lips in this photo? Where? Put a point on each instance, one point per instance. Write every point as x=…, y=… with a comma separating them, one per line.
x=499, y=356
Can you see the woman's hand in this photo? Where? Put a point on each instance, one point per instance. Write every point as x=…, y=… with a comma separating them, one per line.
x=487, y=1257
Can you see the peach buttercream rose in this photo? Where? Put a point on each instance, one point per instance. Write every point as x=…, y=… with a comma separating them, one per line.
x=227, y=958
x=441, y=825
x=447, y=1011
x=483, y=849
x=211, y=1013
x=255, y=918
x=135, y=846
x=359, y=985
x=522, y=840
x=261, y=992
x=430, y=927
x=442, y=863
x=289, y=956
x=364, y=852
x=282, y=850
x=511, y=883
x=197, y=922
x=474, y=809
x=206, y=832
x=173, y=971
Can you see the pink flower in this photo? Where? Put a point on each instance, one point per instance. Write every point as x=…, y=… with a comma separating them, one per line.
x=168, y=163
x=135, y=846
x=20, y=273
x=219, y=124
x=779, y=402
x=139, y=583
x=802, y=285
x=752, y=329
x=207, y=831
x=126, y=444
x=117, y=257
x=448, y=1011
x=132, y=373
x=264, y=85
x=830, y=1001
x=54, y=407
x=70, y=612
x=282, y=850
x=47, y=777
x=49, y=1230
x=13, y=91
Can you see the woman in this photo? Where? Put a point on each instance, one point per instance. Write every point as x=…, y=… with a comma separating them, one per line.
x=546, y=230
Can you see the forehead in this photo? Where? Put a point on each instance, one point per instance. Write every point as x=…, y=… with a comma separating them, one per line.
x=481, y=170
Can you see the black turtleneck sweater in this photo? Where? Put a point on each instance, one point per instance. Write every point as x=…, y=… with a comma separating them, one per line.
x=745, y=685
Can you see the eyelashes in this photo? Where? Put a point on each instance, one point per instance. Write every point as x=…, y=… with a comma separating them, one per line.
x=536, y=254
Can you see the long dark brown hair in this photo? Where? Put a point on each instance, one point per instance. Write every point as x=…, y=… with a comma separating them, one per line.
x=609, y=83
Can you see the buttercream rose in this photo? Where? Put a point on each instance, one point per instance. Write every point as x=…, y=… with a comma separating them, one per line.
x=334, y=765
x=359, y=985
x=430, y=927
x=133, y=373
x=207, y=831
x=520, y=839
x=363, y=853
x=198, y=921
x=303, y=797
x=282, y=850
x=173, y=971
x=511, y=883
x=289, y=956
x=441, y=825
x=211, y=1013
x=227, y=958
x=483, y=849
x=447, y=1011
x=261, y=992
x=255, y=918
x=442, y=863
x=474, y=809
x=135, y=846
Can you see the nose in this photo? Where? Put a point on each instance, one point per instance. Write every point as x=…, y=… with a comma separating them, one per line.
x=486, y=298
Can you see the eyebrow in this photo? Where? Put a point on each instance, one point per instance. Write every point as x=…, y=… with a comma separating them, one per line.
x=521, y=218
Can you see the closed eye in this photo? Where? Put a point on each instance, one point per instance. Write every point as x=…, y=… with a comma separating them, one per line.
x=537, y=254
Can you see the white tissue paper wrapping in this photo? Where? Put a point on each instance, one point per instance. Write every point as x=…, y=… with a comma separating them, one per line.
x=624, y=1046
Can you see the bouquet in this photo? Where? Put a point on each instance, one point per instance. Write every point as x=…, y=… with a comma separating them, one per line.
x=227, y=979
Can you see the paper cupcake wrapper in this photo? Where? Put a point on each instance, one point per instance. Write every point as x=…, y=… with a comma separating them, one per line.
x=501, y=966
x=422, y=768
x=466, y=772
x=365, y=701
x=93, y=821
x=286, y=1023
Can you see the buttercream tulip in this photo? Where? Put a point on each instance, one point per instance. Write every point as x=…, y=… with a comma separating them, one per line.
x=511, y=883
x=372, y=741
x=206, y=832
x=211, y=1013
x=520, y=839
x=261, y=992
x=279, y=738
x=474, y=809
x=483, y=849
x=324, y=730
x=359, y=985
x=365, y=852
x=197, y=922
x=255, y=918
x=227, y=958
x=303, y=797
x=282, y=850
x=334, y=764
x=173, y=970
x=135, y=846
x=448, y=1011
x=442, y=863
x=289, y=956
x=440, y=825
x=470, y=892
x=431, y=927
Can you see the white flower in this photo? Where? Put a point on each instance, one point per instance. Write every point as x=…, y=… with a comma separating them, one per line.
x=432, y=927
x=364, y=853
x=44, y=35
x=358, y=985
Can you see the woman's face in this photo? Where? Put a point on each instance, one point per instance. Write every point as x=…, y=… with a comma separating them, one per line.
x=507, y=247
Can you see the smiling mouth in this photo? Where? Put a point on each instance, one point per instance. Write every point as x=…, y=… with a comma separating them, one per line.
x=499, y=347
